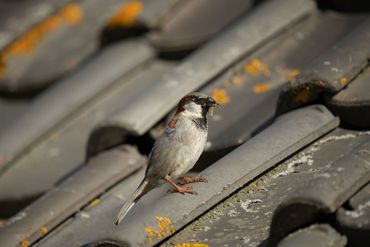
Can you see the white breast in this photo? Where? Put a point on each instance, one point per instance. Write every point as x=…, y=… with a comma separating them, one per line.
x=178, y=149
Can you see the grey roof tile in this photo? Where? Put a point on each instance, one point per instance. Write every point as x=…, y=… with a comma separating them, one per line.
x=42, y=56
x=292, y=131
x=34, y=150
x=108, y=132
x=330, y=72
x=311, y=183
x=249, y=90
x=331, y=187
x=354, y=218
x=320, y=235
x=352, y=104
x=196, y=70
x=362, y=196
x=75, y=192
x=10, y=109
x=268, y=189
x=16, y=17
x=136, y=118
x=189, y=26
x=154, y=11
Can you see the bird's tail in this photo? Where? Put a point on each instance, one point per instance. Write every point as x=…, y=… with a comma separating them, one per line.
x=139, y=192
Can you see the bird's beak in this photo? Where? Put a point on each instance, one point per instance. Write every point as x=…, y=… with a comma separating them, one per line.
x=211, y=102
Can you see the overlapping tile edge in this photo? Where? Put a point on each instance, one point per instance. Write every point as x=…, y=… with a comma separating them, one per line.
x=182, y=210
x=197, y=69
x=72, y=93
x=68, y=197
x=330, y=72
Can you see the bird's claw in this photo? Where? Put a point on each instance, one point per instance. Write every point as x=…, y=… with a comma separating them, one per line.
x=189, y=180
x=183, y=190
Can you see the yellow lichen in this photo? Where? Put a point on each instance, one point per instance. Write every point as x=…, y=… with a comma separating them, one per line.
x=237, y=80
x=95, y=202
x=165, y=229
x=261, y=87
x=220, y=96
x=191, y=245
x=2, y=222
x=126, y=15
x=43, y=230
x=343, y=81
x=256, y=67
x=25, y=243
x=302, y=96
x=292, y=73
x=70, y=14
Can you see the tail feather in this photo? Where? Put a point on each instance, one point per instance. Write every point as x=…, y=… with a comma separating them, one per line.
x=139, y=192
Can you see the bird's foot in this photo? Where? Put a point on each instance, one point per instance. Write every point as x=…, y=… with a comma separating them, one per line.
x=189, y=180
x=180, y=189
x=183, y=190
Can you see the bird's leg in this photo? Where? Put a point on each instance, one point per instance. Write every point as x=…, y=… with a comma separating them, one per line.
x=189, y=180
x=179, y=189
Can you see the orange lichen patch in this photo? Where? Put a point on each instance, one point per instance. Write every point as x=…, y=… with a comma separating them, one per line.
x=2, y=222
x=261, y=87
x=220, y=96
x=292, y=73
x=70, y=14
x=191, y=245
x=95, y=202
x=256, y=67
x=26, y=43
x=237, y=80
x=302, y=96
x=165, y=229
x=343, y=81
x=25, y=243
x=43, y=230
x=126, y=15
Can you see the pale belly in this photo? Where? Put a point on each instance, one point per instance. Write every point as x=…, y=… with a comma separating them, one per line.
x=176, y=153
x=184, y=161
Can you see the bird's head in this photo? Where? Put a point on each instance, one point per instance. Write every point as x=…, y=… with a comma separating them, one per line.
x=195, y=105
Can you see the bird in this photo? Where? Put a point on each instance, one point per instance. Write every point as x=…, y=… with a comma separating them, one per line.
x=177, y=150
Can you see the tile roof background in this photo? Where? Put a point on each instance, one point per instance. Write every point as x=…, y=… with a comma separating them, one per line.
x=87, y=86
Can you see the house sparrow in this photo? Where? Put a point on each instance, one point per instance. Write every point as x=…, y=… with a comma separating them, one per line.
x=177, y=150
